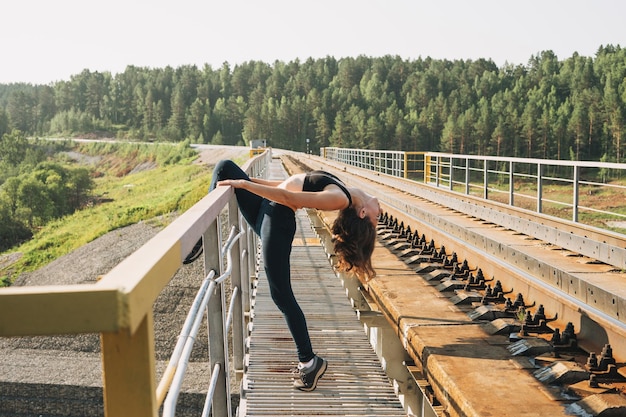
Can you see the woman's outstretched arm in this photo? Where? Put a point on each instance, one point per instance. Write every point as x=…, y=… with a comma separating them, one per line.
x=332, y=198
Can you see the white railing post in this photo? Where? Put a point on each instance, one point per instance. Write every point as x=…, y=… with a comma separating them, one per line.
x=576, y=193
x=486, y=178
x=511, y=184
x=218, y=340
x=451, y=174
x=467, y=176
x=539, y=187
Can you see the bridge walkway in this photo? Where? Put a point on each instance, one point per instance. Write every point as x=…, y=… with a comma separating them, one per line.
x=354, y=383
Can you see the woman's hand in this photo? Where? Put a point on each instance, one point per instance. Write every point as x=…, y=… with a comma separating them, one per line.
x=232, y=183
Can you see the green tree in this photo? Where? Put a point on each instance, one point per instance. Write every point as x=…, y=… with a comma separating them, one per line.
x=21, y=108
x=466, y=124
x=195, y=119
x=576, y=125
x=4, y=122
x=79, y=186
x=13, y=148
x=9, y=195
x=615, y=117
x=12, y=231
x=34, y=203
x=176, y=123
x=559, y=129
x=530, y=120
x=450, y=135
x=483, y=126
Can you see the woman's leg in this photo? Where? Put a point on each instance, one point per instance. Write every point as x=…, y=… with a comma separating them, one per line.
x=277, y=232
x=276, y=225
x=249, y=203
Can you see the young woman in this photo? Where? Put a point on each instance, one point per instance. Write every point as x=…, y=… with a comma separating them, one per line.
x=269, y=207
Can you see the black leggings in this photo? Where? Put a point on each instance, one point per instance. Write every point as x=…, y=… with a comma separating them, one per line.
x=276, y=226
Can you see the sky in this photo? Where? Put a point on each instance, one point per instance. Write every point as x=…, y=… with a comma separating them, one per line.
x=44, y=41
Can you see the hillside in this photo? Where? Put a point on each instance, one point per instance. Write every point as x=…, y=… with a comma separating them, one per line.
x=96, y=258
x=71, y=364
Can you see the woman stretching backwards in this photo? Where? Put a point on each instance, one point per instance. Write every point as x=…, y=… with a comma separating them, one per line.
x=269, y=207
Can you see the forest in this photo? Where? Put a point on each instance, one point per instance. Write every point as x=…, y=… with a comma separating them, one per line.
x=571, y=109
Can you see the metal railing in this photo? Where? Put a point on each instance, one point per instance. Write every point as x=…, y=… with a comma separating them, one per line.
x=175, y=372
x=570, y=190
x=120, y=308
x=564, y=189
x=396, y=163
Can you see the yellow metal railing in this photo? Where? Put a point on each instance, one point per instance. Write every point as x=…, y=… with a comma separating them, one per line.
x=410, y=165
x=256, y=151
x=119, y=306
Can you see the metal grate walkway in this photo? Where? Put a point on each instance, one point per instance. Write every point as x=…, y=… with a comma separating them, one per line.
x=354, y=383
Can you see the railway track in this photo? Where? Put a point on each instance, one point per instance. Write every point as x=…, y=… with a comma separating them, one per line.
x=486, y=308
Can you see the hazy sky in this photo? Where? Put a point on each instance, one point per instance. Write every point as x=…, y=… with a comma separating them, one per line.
x=42, y=41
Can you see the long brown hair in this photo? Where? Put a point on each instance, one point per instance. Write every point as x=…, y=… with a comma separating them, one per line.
x=354, y=238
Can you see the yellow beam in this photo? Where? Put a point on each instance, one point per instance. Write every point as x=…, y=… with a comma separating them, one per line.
x=128, y=371
x=142, y=276
x=122, y=297
x=59, y=309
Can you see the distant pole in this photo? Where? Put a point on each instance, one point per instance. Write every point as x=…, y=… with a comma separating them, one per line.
x=307, y=145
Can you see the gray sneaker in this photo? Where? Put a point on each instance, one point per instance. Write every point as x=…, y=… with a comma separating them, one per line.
x=307, y=378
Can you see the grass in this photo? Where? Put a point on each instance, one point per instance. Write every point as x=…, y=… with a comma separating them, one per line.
x=120, y=201
x=128, y=200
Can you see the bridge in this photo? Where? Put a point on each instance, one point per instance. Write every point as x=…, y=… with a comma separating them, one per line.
x=483, y=305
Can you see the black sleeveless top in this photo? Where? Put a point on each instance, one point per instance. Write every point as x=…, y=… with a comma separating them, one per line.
x=318, y=180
